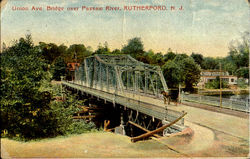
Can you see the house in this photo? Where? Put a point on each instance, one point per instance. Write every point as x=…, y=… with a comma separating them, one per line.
x=210, y=75
x=71, y=67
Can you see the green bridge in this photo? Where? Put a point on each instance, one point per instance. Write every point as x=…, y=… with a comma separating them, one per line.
x=120, y=79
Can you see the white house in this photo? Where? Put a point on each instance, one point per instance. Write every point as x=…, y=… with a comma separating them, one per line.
x=210, y=75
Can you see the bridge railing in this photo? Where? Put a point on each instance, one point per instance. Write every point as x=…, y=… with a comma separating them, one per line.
x=239, y=105
x=138, y=105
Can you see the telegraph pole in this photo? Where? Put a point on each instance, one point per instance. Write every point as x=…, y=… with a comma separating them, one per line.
x=220, y=88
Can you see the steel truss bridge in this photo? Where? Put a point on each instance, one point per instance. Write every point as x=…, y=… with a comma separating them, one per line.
x=120, y=79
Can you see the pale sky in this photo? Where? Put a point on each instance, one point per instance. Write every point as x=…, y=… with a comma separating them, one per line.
x=204, y=26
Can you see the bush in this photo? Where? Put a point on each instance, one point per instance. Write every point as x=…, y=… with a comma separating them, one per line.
x=241, y=83
x=215, y=84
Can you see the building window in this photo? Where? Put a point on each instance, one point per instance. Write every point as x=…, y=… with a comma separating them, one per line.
x=232, y=80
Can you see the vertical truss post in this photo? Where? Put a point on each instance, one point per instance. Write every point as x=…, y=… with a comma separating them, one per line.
x=137, y=85
x=152, y=82
x=119, y=80
x=95, y=73
x=127, y=80
x=107, y=80
x=162, y=80
x=146, y=81
x=86, y=73
x=156, y=85
x=101, y=79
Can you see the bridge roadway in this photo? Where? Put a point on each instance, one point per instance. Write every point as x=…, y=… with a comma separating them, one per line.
x=145, y=104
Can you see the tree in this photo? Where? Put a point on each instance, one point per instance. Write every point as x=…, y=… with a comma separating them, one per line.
x=116, y=51
x=59, y=69
x=103, y=49
x=239, y=51
x=23, y=74
x=243, y=72
x=181, y=70
x=191, y=73
x=158, y=59
x=228, y=65
x=134, y=47
x=198, y=58
x=210, y=63
x=172, y=73
x=169, y=55
x=27, y=108
x=147, y=57
x=76, y=53
x=51, y=51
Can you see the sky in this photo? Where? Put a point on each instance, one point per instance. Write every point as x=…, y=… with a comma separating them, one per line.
x=203, y=26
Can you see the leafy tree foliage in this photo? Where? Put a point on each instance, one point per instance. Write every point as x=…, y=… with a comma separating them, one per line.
x=27, y=109
x=198, y=58
x=210, y=63
x=239, y=51
x=182, y=69
x=242, y=83
x=51, y=51
x=59, y=68
x=191, y=73
x=116, y=51
x=169, y=55
x=173, y=73
x=76, y=53
x=134, y=47
x=243, y=72
x=103, y=49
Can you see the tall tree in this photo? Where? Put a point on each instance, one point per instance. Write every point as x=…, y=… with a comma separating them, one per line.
x=210, y=63
x=170, y=55
x=181, y=70
x=134, y=47
x=27, y=109
x=59, y=68
x=198, y=58
x=51, y=51
x=191, y=73
x=239, y=51
x=173, y=73
x=76, y=53
x=103, y=49
x=23, y=74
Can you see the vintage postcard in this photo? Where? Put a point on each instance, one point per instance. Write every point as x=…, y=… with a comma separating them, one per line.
x=125, y=78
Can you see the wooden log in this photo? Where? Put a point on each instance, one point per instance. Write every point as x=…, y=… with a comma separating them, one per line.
x=148, y=134
x=83, y=107
x=84, y=117
x=106, y=124
x=158, y=136
x=85, y=111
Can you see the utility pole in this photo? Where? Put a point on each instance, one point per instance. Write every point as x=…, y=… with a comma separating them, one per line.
x=220, y=87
